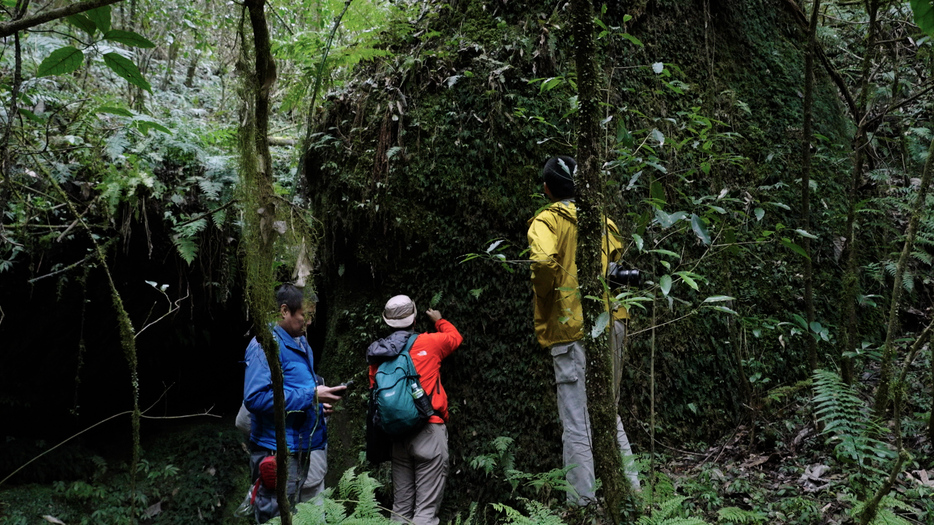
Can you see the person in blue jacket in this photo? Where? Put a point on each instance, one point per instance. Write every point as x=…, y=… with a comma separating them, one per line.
x=305, y=403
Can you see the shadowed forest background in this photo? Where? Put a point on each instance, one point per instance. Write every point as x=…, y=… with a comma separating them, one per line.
x=778, y=367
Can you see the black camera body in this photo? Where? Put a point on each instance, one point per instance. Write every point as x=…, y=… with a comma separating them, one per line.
x=619, y=275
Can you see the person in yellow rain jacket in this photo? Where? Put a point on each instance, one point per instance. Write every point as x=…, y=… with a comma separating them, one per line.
x=559, y=321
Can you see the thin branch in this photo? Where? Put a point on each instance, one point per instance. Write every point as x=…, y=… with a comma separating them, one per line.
x=203, y=215
x=62, y=270
x=101, y=422
x=174, y=308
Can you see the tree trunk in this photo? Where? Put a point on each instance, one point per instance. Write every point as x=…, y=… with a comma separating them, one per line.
x=806, y=179
x=850, y=288
x=259, y=215
x=589, y=185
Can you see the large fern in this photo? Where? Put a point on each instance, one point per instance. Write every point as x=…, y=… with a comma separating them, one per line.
x=846, y=422
x=669, y=513
x=738, y=515
x=352, y=502
x=885, y=515
x=539, y=514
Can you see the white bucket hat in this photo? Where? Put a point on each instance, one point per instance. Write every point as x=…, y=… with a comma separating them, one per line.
x=399, y=312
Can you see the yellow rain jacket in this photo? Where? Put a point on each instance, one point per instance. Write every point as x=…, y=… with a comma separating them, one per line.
x=553, y=246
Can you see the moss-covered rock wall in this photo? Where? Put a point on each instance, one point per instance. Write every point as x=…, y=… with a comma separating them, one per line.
x=435, y=152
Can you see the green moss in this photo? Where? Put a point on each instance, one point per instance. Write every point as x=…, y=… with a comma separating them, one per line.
x=405, y=190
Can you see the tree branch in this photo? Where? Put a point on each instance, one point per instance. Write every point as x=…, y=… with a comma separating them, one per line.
x=14, y=26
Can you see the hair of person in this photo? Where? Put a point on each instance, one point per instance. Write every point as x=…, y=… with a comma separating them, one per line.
x=290, y=296
x=558, y=174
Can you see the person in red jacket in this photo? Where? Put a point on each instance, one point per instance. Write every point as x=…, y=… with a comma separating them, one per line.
x=419, y=461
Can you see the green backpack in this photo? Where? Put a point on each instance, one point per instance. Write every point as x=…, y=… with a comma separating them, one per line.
x=397, y=412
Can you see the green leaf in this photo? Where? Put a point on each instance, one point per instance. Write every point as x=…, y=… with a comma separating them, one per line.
x=700, y=229
x=187, y=248
x=637, y=239
x=114, y=111
x=718, y=298
x=725, y=310
x=82, y=22
x=632, y=39
x=666, y=220
x=786, y=242
x=126, y=70
x=924, y=15
x=800, y=320
x=666, y=252
x=804, y=233
x=686, y=277
x=759, y=213
x=602, y=321
x=146, y=124
x=61, y=61
x=128, y=38
x=101, y=18
x=623, y=136
x=665, y=284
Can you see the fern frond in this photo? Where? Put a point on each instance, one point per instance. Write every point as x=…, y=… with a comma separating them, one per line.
x=738, y=515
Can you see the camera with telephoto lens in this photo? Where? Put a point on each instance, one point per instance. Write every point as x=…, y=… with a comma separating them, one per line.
x=618, y=275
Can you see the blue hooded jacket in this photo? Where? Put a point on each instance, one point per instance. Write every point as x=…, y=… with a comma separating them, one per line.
x=304, y=429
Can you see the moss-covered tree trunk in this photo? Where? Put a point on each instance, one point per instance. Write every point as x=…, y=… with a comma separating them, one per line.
x=807, y=133
x=589, y=185
x=850, y=288
x=259, y=212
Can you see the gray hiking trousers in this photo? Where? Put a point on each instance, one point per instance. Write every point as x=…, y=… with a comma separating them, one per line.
x=570, y=364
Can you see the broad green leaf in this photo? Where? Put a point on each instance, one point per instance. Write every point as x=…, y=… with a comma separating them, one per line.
x=816, y=327
x=82, y=22
x=800, y=320
x=128, y=38
x=114, y=111
x=101, y=18
x=804, y=233
x=145, y=125
x=686, y=277
x=623, y=136
x=666, y=252
x=126, y=70
x=632, y=39
x=550, y=84
x=700, y=229
x=602, y=321
x=794, y=247
x=718, y=298
x=61, y=61
x=725, y=310
x=759, y=213
x=924, y=15
x=637, y=239
x=666, y=220
x=32, y=116
x=665, y=284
